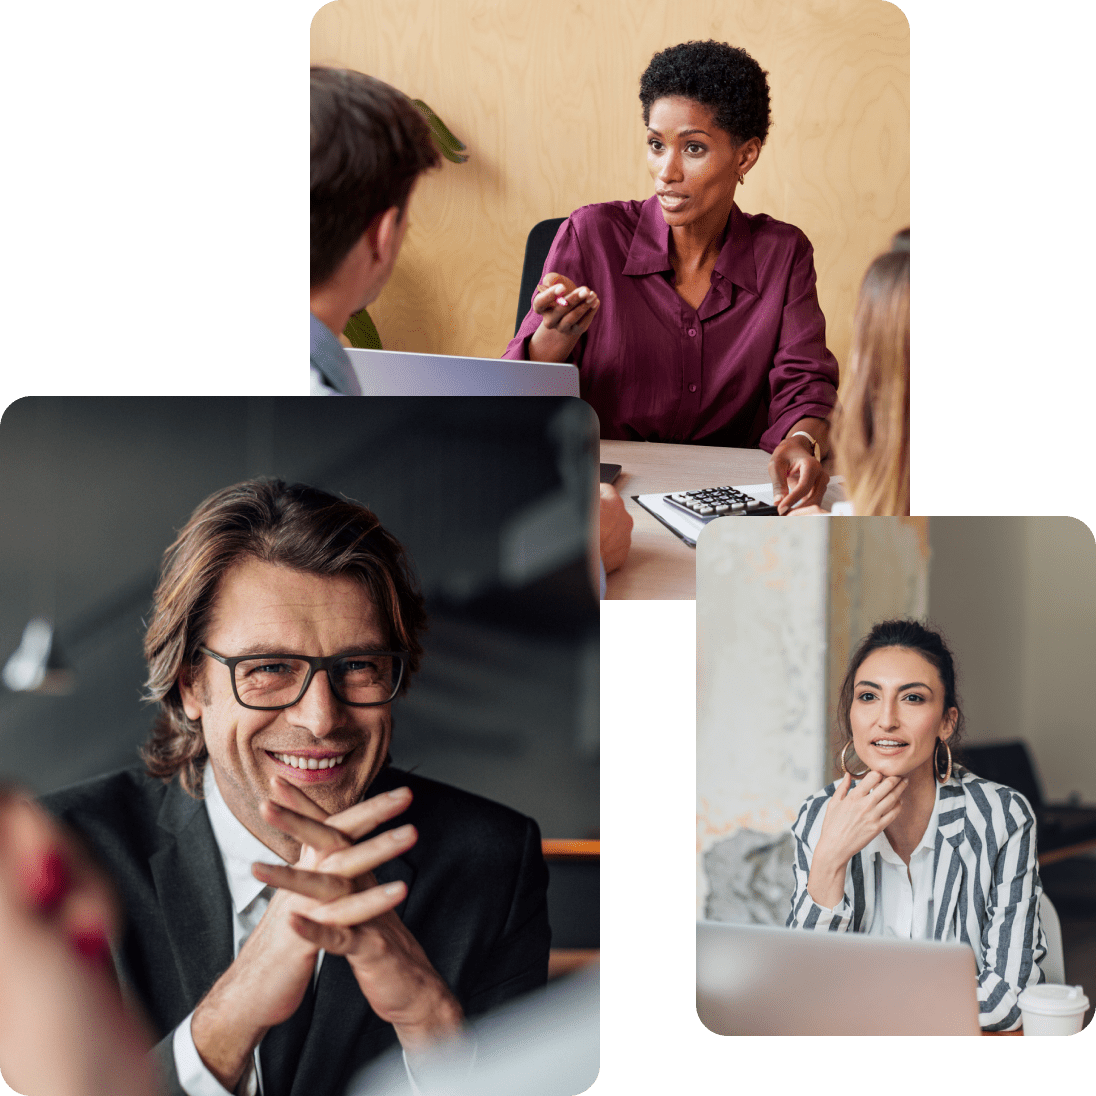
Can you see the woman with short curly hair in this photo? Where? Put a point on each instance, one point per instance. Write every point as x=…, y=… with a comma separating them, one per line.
x=690, y=320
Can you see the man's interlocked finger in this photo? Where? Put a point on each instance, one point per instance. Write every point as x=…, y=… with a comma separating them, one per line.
x=362, y=906
x=364, y=817
x=322, y=886
x=364, y=857
x=323, y=838
x=289, y=795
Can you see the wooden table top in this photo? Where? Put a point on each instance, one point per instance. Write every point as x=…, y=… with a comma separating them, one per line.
x=660, y=566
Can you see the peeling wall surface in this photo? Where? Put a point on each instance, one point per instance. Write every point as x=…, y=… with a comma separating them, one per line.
x=780, y=605
x=761, y=641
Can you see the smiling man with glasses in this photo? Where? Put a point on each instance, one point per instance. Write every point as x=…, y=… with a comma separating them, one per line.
x=296, y=905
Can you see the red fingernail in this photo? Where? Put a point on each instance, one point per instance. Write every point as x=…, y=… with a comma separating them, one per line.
x=47, y=881
x=92, y=945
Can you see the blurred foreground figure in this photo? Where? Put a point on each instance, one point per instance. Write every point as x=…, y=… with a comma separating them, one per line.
x=547, y=1044
x=63, y=1028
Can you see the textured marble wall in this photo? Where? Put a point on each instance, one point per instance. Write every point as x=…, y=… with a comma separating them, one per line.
x=779, y=606
x=761, y=639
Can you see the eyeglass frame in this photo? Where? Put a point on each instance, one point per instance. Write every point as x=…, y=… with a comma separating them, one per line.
x=314, y=664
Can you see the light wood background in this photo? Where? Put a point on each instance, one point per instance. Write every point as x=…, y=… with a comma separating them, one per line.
x=546, y=96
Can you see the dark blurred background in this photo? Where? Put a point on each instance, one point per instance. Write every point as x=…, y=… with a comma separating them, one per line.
x=491, y=496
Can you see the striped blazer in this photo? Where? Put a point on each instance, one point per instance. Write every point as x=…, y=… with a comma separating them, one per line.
x=985, y=887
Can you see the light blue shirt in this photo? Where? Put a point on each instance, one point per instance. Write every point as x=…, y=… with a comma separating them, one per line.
x=331, y=371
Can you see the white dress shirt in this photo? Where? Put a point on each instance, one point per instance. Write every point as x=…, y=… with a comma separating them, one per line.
x=239, y=849
x=903, y=896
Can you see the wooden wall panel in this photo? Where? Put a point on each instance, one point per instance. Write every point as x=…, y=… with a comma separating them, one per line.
x=546, y=98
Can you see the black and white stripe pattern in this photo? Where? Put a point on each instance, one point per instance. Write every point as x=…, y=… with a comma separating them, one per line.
x=985, y=887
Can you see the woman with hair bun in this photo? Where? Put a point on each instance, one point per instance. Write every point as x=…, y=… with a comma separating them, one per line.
x=911, y=845
x=689, y=320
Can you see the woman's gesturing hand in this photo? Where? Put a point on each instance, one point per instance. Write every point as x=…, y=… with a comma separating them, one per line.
x=566, y=312
x=854, y=817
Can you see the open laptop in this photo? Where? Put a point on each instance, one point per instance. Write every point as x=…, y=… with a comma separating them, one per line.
x=400, y=373
x=761, y=980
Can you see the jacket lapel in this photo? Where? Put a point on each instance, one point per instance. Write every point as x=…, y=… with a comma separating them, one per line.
x=193, y=893
x=948, y=869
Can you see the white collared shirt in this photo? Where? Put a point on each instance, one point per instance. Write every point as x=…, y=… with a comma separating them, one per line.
x=903, y=896
x=239, y=849
x=904, y=906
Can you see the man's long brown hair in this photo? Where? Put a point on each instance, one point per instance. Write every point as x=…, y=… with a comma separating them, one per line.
x=294, y=526
x=871, y=433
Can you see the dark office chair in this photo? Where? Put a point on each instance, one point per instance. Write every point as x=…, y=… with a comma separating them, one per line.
x=574, y=903
x=536, y=251
x=1062, y=829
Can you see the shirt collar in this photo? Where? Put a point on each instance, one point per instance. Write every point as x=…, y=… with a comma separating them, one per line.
x=650, y=249
x=238, y=846
x=881, y=845
x=327, y=355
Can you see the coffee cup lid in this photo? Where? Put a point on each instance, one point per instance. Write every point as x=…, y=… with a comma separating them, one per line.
x=1052, y=1000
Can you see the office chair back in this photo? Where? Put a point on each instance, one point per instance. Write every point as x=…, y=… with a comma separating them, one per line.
x=537, y=247
x=1007, y=763
x=1054, y=963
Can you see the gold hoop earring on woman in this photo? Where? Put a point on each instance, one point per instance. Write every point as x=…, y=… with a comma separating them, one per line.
x=741, y=178
x=936, y=760
x=855, y=776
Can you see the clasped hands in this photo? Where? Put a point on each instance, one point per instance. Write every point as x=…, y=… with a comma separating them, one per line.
x=329, y=899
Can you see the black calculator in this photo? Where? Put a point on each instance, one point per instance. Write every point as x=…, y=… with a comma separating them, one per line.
x=718, y=502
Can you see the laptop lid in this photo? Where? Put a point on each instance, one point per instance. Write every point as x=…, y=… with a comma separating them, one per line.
x=762, y=980
x=401, y=373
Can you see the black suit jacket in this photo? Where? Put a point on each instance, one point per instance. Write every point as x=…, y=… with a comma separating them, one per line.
x=476, y=903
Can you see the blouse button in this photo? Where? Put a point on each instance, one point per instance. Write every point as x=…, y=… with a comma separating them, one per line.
x=692, y=332
x=692, y=387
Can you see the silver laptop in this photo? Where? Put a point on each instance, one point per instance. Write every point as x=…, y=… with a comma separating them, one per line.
x=400, y=373
x=760, y=980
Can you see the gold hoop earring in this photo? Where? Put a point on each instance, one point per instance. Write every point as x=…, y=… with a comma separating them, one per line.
x=741, y=179
x=936, y=760
x=855, y=776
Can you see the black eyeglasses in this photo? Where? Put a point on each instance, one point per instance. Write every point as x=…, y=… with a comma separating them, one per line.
x=267, y=682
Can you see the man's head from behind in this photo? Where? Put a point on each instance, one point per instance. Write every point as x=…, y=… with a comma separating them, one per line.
x=369, y=145
x=266, y=569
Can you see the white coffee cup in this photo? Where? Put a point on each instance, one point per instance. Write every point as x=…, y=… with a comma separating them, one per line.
x=1053, y=1010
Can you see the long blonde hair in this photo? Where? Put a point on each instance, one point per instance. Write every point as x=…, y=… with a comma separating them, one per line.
x=871, y=423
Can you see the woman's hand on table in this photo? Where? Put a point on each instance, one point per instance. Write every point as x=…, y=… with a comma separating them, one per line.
x=854, y=818
x=616, y=529
x=796, y=475
x=566, y=312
